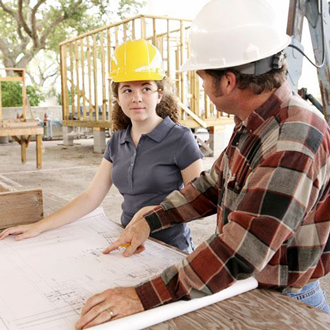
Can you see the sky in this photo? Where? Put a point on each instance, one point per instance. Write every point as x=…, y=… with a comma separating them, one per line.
x=190, y=8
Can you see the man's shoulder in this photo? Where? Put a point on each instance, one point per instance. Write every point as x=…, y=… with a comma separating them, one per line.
x=301, y=124
x=297, y=112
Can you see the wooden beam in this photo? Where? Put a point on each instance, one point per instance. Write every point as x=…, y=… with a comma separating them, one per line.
x=21, y=131
x=91, y=124
x=191, y=114
x=20, y=207
x=39, y=151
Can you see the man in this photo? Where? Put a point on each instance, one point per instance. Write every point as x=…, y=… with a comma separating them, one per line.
x=270, y=187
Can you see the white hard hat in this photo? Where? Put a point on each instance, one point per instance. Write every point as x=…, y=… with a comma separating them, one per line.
x=232, y=33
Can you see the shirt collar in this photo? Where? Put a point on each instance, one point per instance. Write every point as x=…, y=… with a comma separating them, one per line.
x=267, y=110
x=126, y=135
x=160, y=131
x=157, y=134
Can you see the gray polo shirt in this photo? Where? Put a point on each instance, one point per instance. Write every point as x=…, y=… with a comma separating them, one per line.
x=146, y=174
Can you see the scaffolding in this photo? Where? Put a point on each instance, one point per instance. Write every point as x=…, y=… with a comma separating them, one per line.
x=85, y=64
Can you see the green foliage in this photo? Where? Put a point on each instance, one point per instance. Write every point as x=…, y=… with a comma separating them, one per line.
x=35, y=96
x=59, y=97
x=76, y=17
x=12, y=94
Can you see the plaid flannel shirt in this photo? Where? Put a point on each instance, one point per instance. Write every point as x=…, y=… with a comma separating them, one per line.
x=271, y=191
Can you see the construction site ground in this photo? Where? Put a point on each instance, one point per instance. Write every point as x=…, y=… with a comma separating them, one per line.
x=67, y=171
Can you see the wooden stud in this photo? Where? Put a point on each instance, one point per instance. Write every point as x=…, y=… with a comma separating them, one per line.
x=64, y=82
x=23, y=149
x=95, y=78
x=73, y=110
x=143, y=28
x=168, y=49
x=104, y=97
x=133, y=29
x=109, y=68
x=181, y=62
x=77, y=78
x=154, y=32
x=83, y=92
x=125, y=31
x=116, y=36
x=89, y=63
x=24, y=94
x=39, y=150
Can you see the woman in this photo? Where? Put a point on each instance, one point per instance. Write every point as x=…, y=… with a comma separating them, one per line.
x=148, y=156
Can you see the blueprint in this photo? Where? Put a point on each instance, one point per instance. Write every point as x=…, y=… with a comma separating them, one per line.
x=45, y=280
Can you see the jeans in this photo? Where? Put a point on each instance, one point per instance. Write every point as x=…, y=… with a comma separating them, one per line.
x=191, y=247
x=312, y=294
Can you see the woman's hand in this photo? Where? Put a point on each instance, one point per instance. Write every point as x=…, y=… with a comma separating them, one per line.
x=22, y=232
x=109, y=305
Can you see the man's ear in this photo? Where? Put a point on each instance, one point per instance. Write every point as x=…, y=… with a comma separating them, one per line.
x=230, y=82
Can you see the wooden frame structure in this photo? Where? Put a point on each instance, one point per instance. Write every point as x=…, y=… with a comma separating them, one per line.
x=85, y=63
x=21, y=129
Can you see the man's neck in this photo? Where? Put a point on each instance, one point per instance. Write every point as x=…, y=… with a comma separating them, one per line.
x=249, y=102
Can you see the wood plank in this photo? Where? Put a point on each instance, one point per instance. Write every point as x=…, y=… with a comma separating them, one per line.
x=11, y=123
x=109, y=70
x=23, y=149
x=83, y=92
x=256, y=309
x=95, y=78
x=143, y=28
x=103, y=73
x=20, y=207
x=64, y=82
x=21, y=131
x=76, y=55
x=4, y=187
x=89, y=62
x=168, y=48
x=73, y=110
x=39, y=151
x=91, y=124
x=11, y=79
x=24, y=95
x=194, y=116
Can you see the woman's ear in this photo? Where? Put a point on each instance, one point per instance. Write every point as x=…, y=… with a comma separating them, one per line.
x=116, y=99
x=160, y=96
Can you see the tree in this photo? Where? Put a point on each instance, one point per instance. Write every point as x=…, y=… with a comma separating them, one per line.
x=12, y=94
x=29, y=26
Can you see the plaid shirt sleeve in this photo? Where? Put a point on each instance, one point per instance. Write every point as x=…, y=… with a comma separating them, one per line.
x=251, y=239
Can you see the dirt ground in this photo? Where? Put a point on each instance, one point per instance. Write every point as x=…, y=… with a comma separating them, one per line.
x=67, y=171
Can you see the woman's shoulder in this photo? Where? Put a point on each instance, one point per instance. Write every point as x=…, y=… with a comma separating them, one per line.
x=180, y=129
x=118, y=134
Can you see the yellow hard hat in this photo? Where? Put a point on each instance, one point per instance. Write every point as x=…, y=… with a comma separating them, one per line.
x=136, y=60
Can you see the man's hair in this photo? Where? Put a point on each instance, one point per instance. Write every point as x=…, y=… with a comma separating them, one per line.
x=258, y=84
x=168, y=106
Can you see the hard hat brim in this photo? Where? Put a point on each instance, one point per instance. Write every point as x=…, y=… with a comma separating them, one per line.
x=190, y=66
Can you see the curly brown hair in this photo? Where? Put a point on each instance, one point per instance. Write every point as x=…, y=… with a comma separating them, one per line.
x=168, y=106
x=258, y=84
